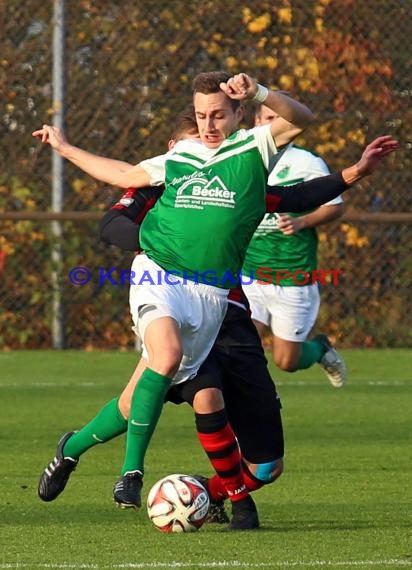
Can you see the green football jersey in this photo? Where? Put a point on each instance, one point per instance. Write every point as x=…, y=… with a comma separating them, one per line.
x=213, y=201
x=271, y=250
x=271, y=254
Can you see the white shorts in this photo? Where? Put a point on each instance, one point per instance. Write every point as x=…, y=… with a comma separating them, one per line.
x=198, y=310
x=290, y=312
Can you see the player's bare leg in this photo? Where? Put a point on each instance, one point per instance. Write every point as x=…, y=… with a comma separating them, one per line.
x=291, y=356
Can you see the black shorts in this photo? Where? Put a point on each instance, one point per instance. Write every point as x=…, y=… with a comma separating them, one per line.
x=238, y=366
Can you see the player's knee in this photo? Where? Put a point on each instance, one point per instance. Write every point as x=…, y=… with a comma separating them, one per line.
x=269, y=472
x=286, y=362
x=166, y=361
x=208, y=400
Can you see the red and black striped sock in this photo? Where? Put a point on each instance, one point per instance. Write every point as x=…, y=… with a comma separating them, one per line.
x=217, y=491
x=218, y=440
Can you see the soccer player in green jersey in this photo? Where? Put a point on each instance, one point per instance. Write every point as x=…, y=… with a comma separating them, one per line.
x=198, y=232
x=236, y=364
x=199, y=228
x=110, y=421
x=286, y=297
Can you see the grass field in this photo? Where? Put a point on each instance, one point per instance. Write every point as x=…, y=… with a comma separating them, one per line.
x=343, y=502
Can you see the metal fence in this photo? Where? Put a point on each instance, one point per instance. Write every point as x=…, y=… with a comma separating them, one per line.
x=126, y=71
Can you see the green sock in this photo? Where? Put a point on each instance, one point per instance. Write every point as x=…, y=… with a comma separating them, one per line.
x=147, y=404
x=108, y=423
x=312, y=351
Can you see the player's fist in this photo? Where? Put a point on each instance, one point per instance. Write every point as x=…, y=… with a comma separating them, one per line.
x=240, y=87
x=288, y=225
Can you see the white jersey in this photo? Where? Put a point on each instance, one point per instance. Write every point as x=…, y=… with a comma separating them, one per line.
x=298, y=165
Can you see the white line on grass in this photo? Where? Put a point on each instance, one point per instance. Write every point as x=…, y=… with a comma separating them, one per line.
x=214, y=564
x=49, y=385
x=291, y=383
x=297, y=383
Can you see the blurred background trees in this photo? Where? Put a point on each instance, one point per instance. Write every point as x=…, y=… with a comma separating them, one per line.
x=128, y=71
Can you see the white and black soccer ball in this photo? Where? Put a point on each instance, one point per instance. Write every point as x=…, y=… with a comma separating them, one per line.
x=178, y=503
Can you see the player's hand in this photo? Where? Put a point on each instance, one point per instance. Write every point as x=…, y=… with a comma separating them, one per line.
x=374, y=152
x=54, y=136
x=240, y=87
x=288, y=225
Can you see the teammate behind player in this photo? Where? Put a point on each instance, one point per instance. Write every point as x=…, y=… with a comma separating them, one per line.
x=286, y=246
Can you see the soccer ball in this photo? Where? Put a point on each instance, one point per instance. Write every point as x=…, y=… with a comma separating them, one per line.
x=178, y=503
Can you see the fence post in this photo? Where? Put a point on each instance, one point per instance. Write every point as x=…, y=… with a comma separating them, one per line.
x=57, y=325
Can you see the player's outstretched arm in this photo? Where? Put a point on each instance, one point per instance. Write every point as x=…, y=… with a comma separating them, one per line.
x=293, y=116
x=108, y=170
x=370, y=159
x=313, y=193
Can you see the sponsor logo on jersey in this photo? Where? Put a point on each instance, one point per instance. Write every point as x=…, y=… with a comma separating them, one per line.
x=268, y=225
x=200, y=192
x=198, y=174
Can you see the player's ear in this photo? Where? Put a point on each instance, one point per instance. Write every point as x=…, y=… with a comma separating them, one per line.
x=171, y=144
x=240, y=112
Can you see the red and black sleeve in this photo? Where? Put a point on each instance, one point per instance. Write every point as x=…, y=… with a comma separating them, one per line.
x=305, y=195
x=120, y=225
